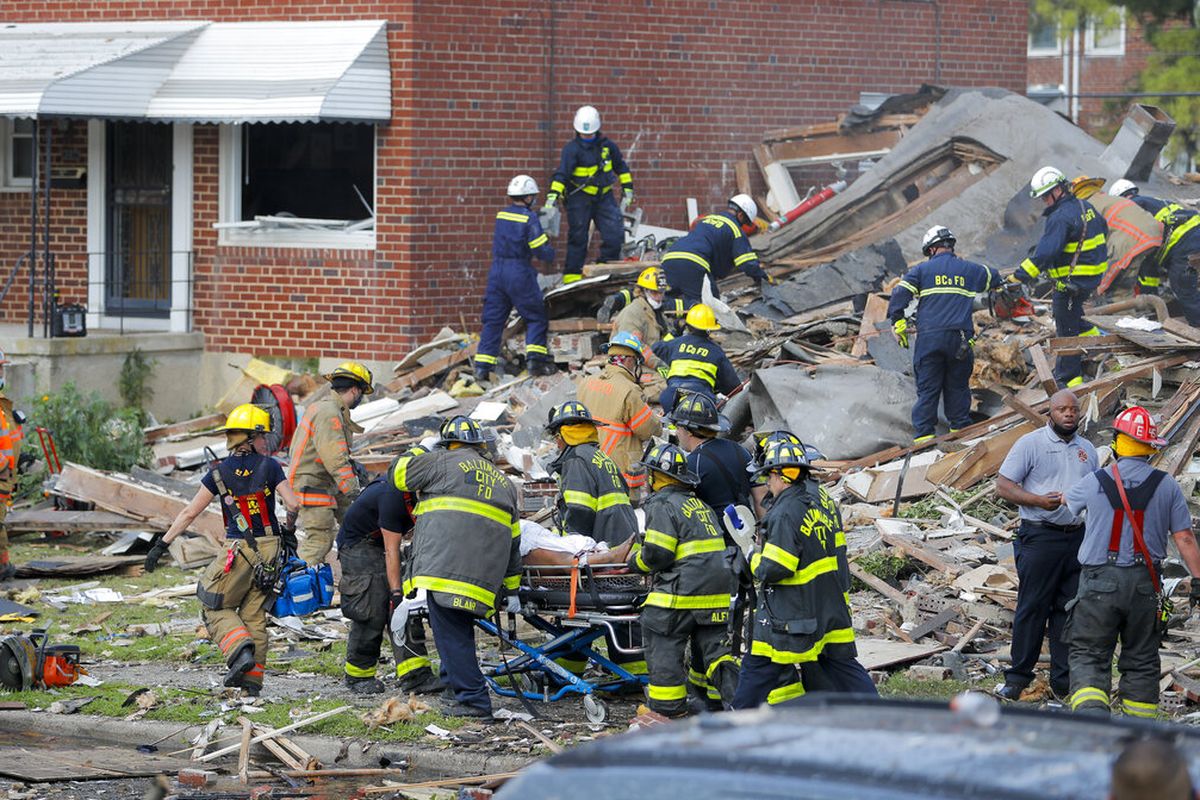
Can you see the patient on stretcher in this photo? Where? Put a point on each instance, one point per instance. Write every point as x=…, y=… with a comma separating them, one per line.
x=542, y=547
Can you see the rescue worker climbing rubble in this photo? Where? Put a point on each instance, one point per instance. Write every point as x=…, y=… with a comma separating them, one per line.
x=236, y=591
x=517, y=239
x=717, y=244
x=590, y=164
x=695, y=363
x=943, y=358
x=322, y=473
x=1073, y=253
x=10, y=454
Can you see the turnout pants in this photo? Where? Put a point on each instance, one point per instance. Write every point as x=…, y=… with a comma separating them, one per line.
x=454, y=637
x=940, y=373
x=1068, y=321
x=1182, y=275
x=3, y=535
x=320, y=525
x=511, y=284
x=761, y=680
x=667, y=636
x=366, y=597
x=1048, y=574
x=582, y=210
x=233, y=608
x=1114, y=604
x=686, y=279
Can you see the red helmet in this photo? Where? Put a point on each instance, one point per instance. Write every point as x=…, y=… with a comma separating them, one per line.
x=1135, y=422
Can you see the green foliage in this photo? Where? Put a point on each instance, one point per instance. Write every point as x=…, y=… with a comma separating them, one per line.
x=1071, y=14
x=87, y=429
x=133, y=381
x=883, y=564
x=1174, y=66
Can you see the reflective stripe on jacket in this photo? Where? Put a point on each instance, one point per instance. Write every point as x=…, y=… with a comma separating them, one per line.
x=625, y=420
x=592, y=496
x=1071, y=225
x=694, y=356
x=717, y=245
x=518, y=236
x=589, y=166
x=320, y=452
x=946, y=286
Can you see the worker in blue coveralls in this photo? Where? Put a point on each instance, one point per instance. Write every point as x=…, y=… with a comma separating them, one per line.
x=1073, y=250
x=944, y=287
x=590, y=163
x=512, y=281
x=717, y=244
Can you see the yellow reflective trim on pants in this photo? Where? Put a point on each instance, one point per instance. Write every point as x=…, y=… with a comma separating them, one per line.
x=450, y=586
x=400, y=473
x=465, y=506
x=781, y=557
x=680, y=255
x=1088, y=244
x=744, y=257
x=360, y=672
x=1076, y=381
x=611, y=500
x=512, y=216
x=512, y=582
x=484, y=358
x=923, y=439
x=657, y=692
x=664, y=540
x=539, y=241
x=685, y=602
x=1089, y=694
x=785, y=693
x=1134, y=708
x=691, y=368
x=836, y=636
x=819, y=567
x=412, y=665
x=540, y=349
x=716, y=545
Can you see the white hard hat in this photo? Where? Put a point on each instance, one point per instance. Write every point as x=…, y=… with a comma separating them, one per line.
x=745, y=203
x=587, y=120
x=1044, y=180
x=937, y=235
x=522, y=186
x=1121, y=186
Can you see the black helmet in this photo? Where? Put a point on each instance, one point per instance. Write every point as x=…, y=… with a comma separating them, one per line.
x=780, y=455
x=695, y=410
x=763, y=439
x=461, y=429
x=669, y=460
x=568, y=413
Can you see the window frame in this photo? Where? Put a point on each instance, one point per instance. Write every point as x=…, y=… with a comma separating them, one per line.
x=8, y=132
x=1089, y=43
x=1033, y=51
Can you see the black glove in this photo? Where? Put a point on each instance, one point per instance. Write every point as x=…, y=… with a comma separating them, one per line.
x=361, y=473
x=396, y=599
x=1194, y=594
x=156, y=552
x=287, y=537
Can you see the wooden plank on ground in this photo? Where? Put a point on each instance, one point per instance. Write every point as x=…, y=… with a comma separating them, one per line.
x=119, y=494
x=35, y=765
x=578, y=325
x=1041, y=365
x=1025, y=411
x=876, y=653
x=826, y=146
x=878, y=584
x=47, y=519
x=982, y=459
x=874, y=311
x=204, y=423
x=431, y=370
x=1181, y=329
x=921, y=553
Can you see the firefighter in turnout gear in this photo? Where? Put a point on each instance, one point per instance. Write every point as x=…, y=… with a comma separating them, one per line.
x=688, y=603
x=321, y=472
x=803, y=582
x=10, y=454
x=1073, y=253
x=643, y=316
x=615, y=400
x=592, y=496
x=944, y=287
x=466, y=552
x=236, y=591
x=1132, y=509
x=512, y=282
x=695, y=363
x=715, y=246
x=591, y=163
x=1133, y=239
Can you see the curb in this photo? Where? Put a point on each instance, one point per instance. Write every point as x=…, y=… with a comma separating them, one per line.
x=423, y=762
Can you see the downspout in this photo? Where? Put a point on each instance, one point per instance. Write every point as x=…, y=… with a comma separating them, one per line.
x=551, y=112
x=1075, y=45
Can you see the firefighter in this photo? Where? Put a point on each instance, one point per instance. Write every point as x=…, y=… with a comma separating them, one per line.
x=236, y=591
x=369, y=550
x=1181, y=242
x=1132, y=510
x=615, y=400
x=592, y=496
x=716, y=244
x=1134, y=236
x=803, y=582
x=1073, y=253
x=590, y=164
x=719, y=463
x=10, y=453
x=945, y=287
x=643, y=316
x=695, y=363
x=512, y=281
x=466, y=552
x=688, y=603
x=322, y=473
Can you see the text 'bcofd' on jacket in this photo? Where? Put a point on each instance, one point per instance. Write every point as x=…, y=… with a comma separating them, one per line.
x=693, y=360
x=592, y=496
x=623, y=417
x=320, y=452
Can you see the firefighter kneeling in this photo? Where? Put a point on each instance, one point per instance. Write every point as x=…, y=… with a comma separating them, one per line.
x=237, y=589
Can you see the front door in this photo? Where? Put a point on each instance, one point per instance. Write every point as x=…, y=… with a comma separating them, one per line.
x=138, y=263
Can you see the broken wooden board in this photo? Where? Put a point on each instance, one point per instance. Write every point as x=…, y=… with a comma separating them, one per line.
x=1045, y=375
x=159, y=432
x=1160, y=340
x=878, y=584
x=882, y=653
x=874, y=311
x=34, y=765
x=431, y=370
x=77, y=565
x=878, y=484
x=918, y=551
x=47, y=519
x=980, y=461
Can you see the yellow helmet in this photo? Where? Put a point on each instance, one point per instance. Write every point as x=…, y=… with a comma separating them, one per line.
x=248, y=417
x=1084, y=187
x=354, y=371
x=654, y=279
x=702, y=318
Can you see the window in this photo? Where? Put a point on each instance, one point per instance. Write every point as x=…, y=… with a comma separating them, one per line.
x=1106, y=37
x=1043, y=37
x=298, y=184
x=16, y=156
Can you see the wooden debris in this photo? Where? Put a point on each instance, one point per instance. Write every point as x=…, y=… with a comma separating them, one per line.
x=122, y=495
x=48, y=519
x=294, y=726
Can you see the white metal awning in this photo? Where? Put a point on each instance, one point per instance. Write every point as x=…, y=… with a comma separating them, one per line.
x=235, y=72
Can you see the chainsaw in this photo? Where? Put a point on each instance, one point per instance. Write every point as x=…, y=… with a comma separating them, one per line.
x=1011, y=301
x=31, y=662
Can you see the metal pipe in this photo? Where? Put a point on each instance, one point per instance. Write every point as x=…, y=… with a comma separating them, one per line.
x=47, y=266
x=1075, y=45
x=1141, y=301
x=33, y=220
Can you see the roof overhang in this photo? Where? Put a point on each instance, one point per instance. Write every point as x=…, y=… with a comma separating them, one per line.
x=197, y=71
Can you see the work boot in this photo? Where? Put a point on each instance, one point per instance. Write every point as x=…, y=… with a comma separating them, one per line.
x=453, y=708
x=482, y=374
x=364, y=685
x=7, y=571
x=242, y=663
x=540, y=366
x=1009, y=691
x=251, y=689
x=429, y=684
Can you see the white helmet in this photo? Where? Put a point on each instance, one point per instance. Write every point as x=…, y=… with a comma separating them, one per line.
x=745, y=203
x=587, y=120
x=935, y=236
x=522, y=186
x=1044, y=180
x=1121, y=186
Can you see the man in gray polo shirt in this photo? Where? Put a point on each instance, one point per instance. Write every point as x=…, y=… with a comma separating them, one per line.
x=1039, y=469
x=1117, y=597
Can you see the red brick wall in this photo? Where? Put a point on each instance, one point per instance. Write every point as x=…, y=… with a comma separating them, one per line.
x=481, y=92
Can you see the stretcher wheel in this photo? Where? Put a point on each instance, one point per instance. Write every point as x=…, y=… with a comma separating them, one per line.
x=595, y=709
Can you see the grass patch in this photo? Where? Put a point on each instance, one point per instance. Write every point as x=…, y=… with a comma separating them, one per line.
x=900, y=685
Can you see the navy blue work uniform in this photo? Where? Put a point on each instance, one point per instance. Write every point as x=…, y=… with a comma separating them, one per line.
x=251, y=479
x=713, y=247
x=1074, y=252
x=1181, y=240
x=945, y=287
x=721, y=465
x=697, y=364
x=512, y=281
x=585, y=177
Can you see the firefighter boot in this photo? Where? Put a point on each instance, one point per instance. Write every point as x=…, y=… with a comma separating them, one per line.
x=541, y=365
x=239, y=665
x=364, y=685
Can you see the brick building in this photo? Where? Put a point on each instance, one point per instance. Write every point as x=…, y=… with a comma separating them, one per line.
x=478, y=92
